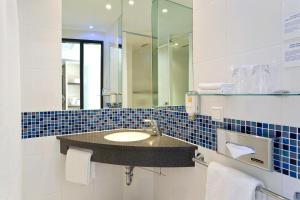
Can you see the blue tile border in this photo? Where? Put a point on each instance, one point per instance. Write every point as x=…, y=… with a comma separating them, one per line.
x=40, y=124
x=174, y=122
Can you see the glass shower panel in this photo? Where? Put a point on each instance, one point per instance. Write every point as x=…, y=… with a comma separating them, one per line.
x=92, y=76
x=179, y=55
x=139, y=70
x=172, y=27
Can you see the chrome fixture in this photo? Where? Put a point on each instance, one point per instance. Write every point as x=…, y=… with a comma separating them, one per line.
x=129, y=175
x=154, y=127
x=261, y=146
x=199, y=158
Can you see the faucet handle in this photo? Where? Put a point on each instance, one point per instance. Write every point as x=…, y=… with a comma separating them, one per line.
x=154, y=126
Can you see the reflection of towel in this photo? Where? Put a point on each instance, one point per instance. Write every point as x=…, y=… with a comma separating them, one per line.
x=78, y=166
x=224, y=183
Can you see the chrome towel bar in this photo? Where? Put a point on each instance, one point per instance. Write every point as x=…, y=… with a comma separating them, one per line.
x=200, y=160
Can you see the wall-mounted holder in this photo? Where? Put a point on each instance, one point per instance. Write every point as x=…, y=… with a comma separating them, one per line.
x=260, y=149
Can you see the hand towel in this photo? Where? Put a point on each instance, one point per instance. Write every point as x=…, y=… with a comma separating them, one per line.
x=209, y=91
x=237, y=151
x=214, y=86
x=78, y=166
x=225, y=183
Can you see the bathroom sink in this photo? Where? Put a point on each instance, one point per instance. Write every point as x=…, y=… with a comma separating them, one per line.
x=127, y=136
x=132, y=148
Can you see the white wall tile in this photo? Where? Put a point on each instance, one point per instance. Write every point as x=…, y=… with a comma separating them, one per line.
x=41, y=175
x=41, y=90
x=41, y=13
x=217, y=70
x=290, y=111
x=40, y=47
x=290, y=187
x=253, y=24
x=40, y=36
x=44, y=175
x=181, y=183
x=190, y=183
x=141, y=187
x=10, y=118
x=211, y=35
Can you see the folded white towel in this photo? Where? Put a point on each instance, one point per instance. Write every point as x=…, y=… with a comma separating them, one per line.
x=214, y=86
x=224, y=183
x=209, y=91
x=78, y=166
x=220, y=91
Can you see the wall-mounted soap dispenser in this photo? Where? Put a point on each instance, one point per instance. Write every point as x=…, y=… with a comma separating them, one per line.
x=192, y=106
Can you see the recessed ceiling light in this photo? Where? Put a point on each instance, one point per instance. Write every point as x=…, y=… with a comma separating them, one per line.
x=91, y=27
x=108, y=6
x=131, y=2
x=176, y=44
x=164, y=10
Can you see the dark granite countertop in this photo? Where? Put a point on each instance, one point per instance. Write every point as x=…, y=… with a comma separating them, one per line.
x=156, y=151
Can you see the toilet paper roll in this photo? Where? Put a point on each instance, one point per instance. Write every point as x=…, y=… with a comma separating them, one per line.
x=237, y=151
x=78, y=165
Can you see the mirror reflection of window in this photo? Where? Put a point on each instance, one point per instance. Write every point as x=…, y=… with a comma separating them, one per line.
x=92, y=76
x=82, y=74
x=71, y=76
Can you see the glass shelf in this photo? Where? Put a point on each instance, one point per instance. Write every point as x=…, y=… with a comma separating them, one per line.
x=194, y=93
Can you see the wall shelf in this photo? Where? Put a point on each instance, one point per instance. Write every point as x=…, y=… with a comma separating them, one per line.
x=195, y=93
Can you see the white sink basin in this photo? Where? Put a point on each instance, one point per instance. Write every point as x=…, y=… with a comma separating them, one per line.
x=127, y=136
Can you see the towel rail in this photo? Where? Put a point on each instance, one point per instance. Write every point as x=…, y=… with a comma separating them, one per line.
x=200, y=160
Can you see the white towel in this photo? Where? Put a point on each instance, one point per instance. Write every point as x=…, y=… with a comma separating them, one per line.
x=78, y=166
x=209, y=91
x=224, y=183
x=214, y=86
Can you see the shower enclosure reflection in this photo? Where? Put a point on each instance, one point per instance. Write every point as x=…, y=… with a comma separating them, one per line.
x=138, y=62
x=172, y=51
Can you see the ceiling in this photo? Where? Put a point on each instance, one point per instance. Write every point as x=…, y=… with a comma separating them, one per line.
x=188, y=3
x=80, y=14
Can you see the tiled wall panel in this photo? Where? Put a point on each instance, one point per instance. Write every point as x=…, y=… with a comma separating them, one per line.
x=173, y=122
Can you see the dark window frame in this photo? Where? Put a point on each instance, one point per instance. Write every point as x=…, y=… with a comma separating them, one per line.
x=81, y=42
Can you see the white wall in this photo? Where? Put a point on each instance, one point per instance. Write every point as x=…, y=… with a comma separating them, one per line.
x=226, y=33
x=141, y=188
x=43, y=165
x=10, y=103
x=44, y=177
x=40, y=35
x=243, y=33
x=189, y=183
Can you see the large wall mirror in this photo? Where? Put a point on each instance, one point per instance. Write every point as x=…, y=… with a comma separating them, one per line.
x=125, y=53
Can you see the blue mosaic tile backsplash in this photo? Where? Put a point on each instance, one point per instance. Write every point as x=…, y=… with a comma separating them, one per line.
x=174, y=122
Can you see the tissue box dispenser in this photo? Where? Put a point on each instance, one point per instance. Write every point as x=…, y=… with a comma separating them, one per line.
x=263, y=156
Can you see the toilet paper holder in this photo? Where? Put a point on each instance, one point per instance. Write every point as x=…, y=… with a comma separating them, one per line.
x=263, y=148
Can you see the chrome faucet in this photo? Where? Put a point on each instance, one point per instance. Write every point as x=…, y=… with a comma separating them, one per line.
x=154, y=126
